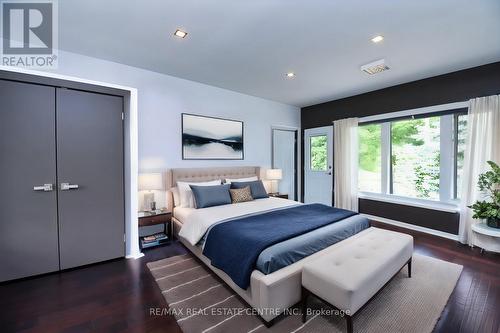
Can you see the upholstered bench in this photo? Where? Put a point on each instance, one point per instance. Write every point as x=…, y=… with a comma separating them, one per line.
x=348, y=277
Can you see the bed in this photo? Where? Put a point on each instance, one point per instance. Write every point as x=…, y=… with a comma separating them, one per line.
x=274, y=285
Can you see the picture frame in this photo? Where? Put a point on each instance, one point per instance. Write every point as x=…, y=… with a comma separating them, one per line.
x=211, y=138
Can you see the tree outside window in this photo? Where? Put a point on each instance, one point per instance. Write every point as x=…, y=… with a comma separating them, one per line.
x=415, y=159
x=319, y=154
x=410, y=156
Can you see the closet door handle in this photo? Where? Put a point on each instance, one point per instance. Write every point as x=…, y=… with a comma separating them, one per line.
x=68, y=186
x=44, y=188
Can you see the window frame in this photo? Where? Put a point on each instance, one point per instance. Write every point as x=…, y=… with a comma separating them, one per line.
x=448, y=114
x=455, y=152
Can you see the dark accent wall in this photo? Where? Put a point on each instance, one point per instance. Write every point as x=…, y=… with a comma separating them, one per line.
x=448, y=88
x=452, y=87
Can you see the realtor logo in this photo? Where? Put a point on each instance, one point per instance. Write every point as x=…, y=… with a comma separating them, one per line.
x=29, y=33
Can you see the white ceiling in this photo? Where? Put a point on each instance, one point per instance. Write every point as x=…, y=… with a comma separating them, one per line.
x=248, y=45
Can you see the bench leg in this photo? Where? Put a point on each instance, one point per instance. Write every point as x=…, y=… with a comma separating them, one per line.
x=269, y=324
x=409, y=268
x=305, y=294
x=349, y=323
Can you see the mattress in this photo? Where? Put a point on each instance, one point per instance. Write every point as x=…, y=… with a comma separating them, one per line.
x=292, y=250
x=196, y=222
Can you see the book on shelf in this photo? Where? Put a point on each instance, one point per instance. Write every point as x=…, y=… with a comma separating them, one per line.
x=151, y=238
x=154, y=237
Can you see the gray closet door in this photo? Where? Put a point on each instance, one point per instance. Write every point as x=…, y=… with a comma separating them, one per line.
x=90, y=160
x=28, y=218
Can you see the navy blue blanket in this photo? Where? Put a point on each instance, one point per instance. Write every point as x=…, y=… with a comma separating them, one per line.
x=235, y=245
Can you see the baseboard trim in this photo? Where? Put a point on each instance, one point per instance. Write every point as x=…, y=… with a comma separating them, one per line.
x=412, y=227
x=135, y=256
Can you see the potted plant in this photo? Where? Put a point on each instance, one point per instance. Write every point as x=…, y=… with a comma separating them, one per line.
x=489, y=209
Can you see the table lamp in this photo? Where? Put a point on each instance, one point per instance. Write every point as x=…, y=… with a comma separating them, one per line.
x=274, y=175
x=150, y=182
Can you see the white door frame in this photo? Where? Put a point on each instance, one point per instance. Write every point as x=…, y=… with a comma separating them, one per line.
x=297, y=156
x=131, y=156
x=328, y=131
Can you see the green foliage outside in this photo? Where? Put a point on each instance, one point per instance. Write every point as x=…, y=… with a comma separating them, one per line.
x=406, y=132
x=427, y=177
x=369, y=147
x=402, y=132
x=426, y=174
x=318, y=153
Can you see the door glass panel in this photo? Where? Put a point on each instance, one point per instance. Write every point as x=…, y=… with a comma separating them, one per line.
x=319, y=156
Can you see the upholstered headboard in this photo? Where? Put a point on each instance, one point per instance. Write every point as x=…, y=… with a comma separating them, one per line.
x=172, y=176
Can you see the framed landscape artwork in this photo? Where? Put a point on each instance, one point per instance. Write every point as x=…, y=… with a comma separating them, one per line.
x=209, y=138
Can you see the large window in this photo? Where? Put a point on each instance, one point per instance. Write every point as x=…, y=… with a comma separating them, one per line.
x=415, y=157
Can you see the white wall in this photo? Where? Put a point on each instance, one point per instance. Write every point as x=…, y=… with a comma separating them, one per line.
x=154, y=107
x=162, y=99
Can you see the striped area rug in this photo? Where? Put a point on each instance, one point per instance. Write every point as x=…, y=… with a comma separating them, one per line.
x=202, y=303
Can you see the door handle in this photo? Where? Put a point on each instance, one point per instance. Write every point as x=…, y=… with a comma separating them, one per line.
x=44, y=188
x=68, y=186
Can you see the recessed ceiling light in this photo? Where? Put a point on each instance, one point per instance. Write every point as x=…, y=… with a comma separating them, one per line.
x=378, y=39
x=180, y=33
x=290, y=75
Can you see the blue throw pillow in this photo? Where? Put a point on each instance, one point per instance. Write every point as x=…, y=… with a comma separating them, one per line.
x=256, y=187
x=208, y=196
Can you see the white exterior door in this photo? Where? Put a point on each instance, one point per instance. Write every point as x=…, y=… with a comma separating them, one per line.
x=318, y=173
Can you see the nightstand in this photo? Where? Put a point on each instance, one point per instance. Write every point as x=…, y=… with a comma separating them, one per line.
x=155, y=218
x=279, y=195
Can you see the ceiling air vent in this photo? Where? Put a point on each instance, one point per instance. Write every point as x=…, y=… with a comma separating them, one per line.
x=375, y=67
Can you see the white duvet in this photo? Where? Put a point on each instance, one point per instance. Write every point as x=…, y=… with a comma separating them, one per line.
x=195, y=222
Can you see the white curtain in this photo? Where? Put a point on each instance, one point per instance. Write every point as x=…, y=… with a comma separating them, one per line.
x=345, y=163
x=483, y=144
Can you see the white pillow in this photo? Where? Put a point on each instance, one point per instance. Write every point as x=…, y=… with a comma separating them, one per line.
x=186, y=195
x=175, y=194
x=235, y=180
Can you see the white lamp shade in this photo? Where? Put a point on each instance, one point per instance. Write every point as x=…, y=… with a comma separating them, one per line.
x=274, y=174
x=151, y=182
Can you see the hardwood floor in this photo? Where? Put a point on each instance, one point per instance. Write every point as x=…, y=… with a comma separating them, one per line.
x=474, y=305
x=117, y=296
x=114, y=296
